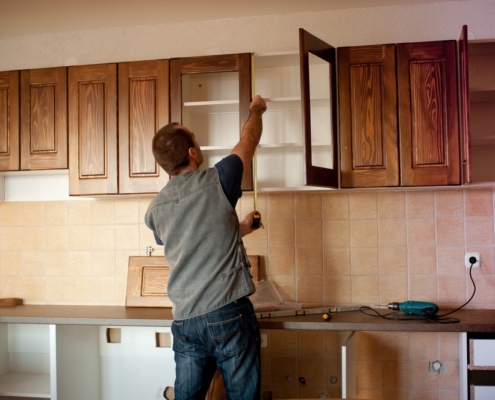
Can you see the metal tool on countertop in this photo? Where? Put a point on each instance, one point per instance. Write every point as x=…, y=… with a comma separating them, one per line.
x=412, y=307
x=305, y=311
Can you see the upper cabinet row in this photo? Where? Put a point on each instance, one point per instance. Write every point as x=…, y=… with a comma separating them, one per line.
x=364, y=116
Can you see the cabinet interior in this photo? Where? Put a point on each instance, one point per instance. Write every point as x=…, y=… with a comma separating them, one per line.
x=482, y=109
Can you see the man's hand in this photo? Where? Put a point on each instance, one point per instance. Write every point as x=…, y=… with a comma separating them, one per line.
x=258, y=105
x=246, y=226
x=251, y=132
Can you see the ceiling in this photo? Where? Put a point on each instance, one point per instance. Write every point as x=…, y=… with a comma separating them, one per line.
x=30, y=17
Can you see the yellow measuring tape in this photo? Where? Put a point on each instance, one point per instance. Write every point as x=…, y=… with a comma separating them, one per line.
x=257, y=217
x=255, y=156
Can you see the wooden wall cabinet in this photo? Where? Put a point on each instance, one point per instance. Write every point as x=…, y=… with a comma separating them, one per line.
x=399, y=120
x=33, y=119
x=93, y=129
x=210, y=95
x=111, y=154
x=477, y=72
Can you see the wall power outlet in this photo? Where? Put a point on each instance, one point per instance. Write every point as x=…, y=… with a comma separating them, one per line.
x=468, y=262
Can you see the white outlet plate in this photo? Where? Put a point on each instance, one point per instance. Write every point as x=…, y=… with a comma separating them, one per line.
x=264, y=340
x=477, y=264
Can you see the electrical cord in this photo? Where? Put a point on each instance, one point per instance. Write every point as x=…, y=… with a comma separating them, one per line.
x=439, y=319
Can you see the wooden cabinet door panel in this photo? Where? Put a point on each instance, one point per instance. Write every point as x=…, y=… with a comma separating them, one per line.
x=93, y=129
x=214, y=64
x=368, y=116
x=9, y=121
x=318, y=175
x=44, y=119
x=143, y=109
x=428, y=114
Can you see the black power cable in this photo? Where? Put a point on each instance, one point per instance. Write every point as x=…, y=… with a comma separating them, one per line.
x=439, y=319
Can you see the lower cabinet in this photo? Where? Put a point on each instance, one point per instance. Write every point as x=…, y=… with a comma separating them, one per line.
x=27, y=361
x=76, y=362
x=477, y=358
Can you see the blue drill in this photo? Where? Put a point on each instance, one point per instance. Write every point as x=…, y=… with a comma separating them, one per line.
x=412, y=307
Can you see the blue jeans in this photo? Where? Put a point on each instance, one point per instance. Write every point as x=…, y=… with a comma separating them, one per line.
x=227, y=339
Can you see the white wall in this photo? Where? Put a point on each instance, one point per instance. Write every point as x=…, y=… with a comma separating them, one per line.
x=419, y=22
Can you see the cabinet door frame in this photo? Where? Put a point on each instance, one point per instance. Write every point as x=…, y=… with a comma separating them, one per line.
x=44, y=119
x=9, y=121
x=420, y=166
x=93, y=129
x=143, y=110
x=314, y=175
x=465, y=106
x=241, y=63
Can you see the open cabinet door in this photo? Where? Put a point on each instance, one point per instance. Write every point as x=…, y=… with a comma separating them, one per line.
x=318, y=100
x=464, y=105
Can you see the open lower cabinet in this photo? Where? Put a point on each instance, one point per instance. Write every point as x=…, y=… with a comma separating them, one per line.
x=477, y=77
x=27, y=361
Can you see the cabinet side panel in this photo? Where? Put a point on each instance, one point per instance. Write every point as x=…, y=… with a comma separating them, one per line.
x=78, y=363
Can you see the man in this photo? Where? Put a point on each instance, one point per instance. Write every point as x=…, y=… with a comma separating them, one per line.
x=209, y=282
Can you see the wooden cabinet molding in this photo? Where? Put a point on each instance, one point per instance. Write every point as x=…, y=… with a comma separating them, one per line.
x=9, y=121
x=43, y=126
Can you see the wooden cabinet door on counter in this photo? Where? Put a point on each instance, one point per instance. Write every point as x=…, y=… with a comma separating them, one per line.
x=93, y=129
x=43, y=127
x=9, y=121
x=143, y=110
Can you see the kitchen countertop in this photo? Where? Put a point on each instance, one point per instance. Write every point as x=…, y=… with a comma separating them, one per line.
x=470, y=320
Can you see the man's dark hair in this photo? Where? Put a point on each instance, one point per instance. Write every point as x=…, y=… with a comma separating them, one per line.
x=170, y=148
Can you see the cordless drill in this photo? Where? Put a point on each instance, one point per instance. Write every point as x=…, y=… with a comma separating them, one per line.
x=412, y=307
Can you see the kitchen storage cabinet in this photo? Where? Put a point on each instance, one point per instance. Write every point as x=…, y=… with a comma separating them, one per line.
x=110, y=155
x=210, y=95
x=403, y=137
x=43, y=126
x=93, y=129
x=9, y=121
x=143, y=110
x=480, y=140
x=27, y=361
x=477, y=358
x=33, y=119
x=298, y=147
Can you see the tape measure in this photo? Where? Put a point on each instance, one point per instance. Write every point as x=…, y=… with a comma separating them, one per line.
x=257, y=216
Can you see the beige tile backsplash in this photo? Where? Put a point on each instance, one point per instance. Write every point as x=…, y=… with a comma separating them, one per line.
x=319, y=248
